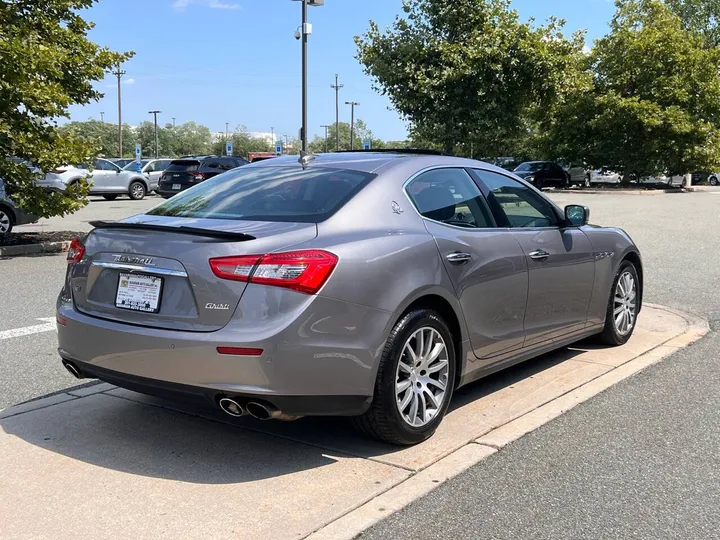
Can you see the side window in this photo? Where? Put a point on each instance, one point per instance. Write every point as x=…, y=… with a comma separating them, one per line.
x=162, y=165
x=521, y=206
x=227, y=164
x=151, y=167
x=105, y=165
x=450, y=196
x=213, y=164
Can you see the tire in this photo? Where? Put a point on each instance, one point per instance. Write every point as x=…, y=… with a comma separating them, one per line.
x=539, y=183
x=384, y=420
x=110, y=197
x=137, y=190
x=714, y=181
x=587, y=182
x=611, y=334
x=7, y=221
x=567, y=183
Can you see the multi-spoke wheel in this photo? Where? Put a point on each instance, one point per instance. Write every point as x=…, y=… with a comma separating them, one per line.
x=623, y=306
x=6, y=222
x=414, y=382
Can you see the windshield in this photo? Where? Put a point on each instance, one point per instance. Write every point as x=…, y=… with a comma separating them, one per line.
x=268, y=194
x=532, y=166
x=132, y=166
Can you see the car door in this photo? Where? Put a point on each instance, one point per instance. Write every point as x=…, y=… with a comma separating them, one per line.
x=556, y=175
x=560, y=259
x=101, y=180
x=486, y=265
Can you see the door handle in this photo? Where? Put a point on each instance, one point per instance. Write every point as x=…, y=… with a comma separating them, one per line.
x=458, y=258
x=539, y=255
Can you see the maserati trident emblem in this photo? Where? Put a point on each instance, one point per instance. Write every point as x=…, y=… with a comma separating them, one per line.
x=396, y=207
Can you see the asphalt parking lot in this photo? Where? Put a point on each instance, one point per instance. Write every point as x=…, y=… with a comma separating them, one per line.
x=640, y=459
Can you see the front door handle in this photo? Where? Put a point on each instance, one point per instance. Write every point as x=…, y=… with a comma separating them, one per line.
x=539, y=255
x=458, y=258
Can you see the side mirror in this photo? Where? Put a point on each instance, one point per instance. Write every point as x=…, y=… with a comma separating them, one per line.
x=577, y=215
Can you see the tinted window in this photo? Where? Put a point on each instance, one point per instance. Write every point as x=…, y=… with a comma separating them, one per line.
x=268, y=194
x=104, y=165
x=211, y=164
x=226, y=164
x=518, y=205
x=449, y=196
x=161, y=164
x=182, y=165
x=530, y=167
x=132, y=166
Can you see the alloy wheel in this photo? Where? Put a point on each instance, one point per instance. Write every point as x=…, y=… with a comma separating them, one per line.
x=625, y=304
x=421, y=379
x=138, y=191
x=4, y=222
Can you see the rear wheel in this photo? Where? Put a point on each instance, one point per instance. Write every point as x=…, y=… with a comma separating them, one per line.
x=110, y=197
x=587, y=181
x=414, y=381
x=137, y=191
x=623, y=306
x=6, y=221
x=714, y=181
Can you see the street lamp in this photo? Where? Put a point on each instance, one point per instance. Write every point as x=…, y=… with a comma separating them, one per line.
x=102, y=117
x=326, y=137
x=155, y=113
x=352, y=104
x=272, y=136
x=306, y=30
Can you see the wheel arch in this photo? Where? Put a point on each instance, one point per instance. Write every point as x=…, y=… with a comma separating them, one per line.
x=634, y=258
x=11, y=212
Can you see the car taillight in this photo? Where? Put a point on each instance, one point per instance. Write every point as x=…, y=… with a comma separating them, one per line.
x=198, y=176
x=59, y=171
x=76, y=251
x=304, y=271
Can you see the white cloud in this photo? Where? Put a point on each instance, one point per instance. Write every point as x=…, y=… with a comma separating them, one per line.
x=129, y=81
x=180, y=5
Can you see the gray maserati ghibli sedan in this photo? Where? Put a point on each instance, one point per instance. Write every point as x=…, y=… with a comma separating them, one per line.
x=366, y=284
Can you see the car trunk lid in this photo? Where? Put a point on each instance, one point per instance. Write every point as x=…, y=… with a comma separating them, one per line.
x=168, y=258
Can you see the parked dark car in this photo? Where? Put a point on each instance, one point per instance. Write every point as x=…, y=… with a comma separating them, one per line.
x=11, y=215
x=185, y=173
x=543, y=174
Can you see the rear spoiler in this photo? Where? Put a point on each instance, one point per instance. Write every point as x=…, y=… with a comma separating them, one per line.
x=220, y=235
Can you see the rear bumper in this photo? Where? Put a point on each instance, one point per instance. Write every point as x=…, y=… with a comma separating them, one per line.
x=323, y=361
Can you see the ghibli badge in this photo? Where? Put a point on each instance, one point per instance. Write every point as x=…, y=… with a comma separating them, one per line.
x=211, y=305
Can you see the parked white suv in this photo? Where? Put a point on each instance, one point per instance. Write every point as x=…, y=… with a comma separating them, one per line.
x=106, y=179
x=151, y=168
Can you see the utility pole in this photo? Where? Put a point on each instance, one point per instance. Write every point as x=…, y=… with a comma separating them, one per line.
x=155, y=113
x=102, y=117
x=326, y=137
x=337, y=86
x=272, y=135
x=119, y=74
x=352, y=121
x=226, y=134
x=173, y=122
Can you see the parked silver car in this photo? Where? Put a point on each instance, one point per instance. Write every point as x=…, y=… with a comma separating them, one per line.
x=106, y=179
x=369, y=285
x=11, y=215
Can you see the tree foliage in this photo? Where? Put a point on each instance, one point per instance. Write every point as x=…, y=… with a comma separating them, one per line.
x=360, y=133
x=101, y=135
x=468, y=70
x=243, y=143
x=654, y=102
x=48, y=64
x=702, y=16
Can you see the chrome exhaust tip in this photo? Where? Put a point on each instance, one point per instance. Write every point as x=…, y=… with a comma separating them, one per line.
x=72, y=369
x=231, y=407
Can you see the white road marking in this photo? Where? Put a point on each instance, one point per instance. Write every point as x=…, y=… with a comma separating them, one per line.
x=49, y=326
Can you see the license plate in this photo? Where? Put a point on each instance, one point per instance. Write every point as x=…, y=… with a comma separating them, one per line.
x=176, y=186
x=138, y=292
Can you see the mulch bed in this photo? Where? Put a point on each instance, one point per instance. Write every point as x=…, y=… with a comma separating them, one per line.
x=31, y=238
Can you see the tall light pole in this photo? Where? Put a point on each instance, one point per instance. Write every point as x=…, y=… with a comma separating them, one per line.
x=272, y=136
x=119, y=74
x=326, y=137
x=173, y=122
x=155, y=113
x=102, y=117
x=337, y=86
x=226, y=133
x=306, y=31
x=352, y=104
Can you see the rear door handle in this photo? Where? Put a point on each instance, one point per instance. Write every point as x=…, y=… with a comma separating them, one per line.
x=539, y=255
x=458, y=258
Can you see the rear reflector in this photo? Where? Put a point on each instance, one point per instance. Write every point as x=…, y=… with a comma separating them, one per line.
x=239, y=351
x=304, y=271
x=76, y=251
x=62, y=321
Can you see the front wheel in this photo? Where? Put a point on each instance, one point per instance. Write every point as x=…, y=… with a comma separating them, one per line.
x=414, y=382
x=587, y=181
x=137, y=191
x=714, y=181
x=6, y=222
x=623, y=306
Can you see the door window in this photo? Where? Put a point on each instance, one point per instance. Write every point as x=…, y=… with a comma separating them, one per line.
x=450, y=196
x=515, y=204
x=105, y=165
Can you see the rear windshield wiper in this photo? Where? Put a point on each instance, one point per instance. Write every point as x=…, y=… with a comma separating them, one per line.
x=221, y=235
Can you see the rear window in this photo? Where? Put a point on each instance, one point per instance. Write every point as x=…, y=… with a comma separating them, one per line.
x=268, y=194
x=183, y=165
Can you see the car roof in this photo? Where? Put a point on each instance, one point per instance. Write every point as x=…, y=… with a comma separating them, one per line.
x=373, y=162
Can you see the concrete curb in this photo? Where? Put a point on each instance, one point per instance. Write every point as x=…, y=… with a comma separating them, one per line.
x=625, y=192
x=35, y=249
x=420, y=484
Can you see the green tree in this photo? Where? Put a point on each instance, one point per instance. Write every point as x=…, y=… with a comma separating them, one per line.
x=361, y=132
x=48, y=64
x=654, y=102
x=701, y=16
x=468, y=70
x=243, y=143
x=192, y=138
x=102, y=136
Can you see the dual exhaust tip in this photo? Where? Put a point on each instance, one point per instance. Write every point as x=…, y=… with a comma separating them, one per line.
x=259, y=411
x=73, y=369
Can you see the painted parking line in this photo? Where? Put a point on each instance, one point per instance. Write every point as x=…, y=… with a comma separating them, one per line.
x=48, y=326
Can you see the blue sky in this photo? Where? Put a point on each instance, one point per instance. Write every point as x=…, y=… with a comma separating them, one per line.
x=236, y=61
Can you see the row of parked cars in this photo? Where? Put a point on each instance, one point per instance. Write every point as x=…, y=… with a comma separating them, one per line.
x=551, y=174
